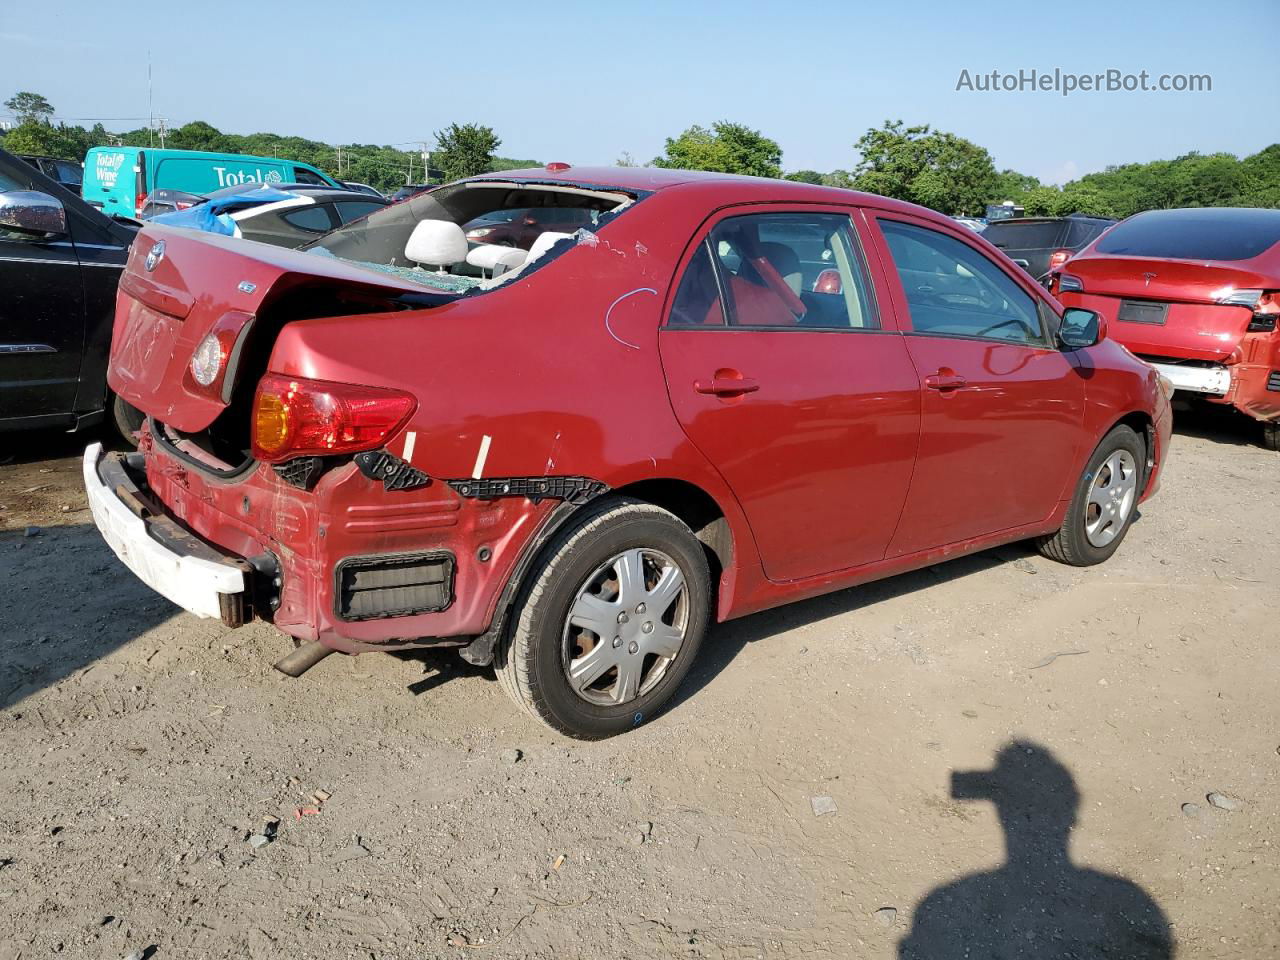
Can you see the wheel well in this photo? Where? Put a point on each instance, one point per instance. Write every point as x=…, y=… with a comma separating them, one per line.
x=1142, y=425
x=696, y=508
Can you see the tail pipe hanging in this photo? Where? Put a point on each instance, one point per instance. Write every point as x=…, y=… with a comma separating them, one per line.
x=303, y=658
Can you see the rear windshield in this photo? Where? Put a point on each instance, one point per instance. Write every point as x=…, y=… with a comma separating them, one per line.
x=1205, y=234
x=522, y=220
x=1026, y=236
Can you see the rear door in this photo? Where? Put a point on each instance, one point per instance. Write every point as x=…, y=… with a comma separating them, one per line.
x=1002, y=407
x=782, y=373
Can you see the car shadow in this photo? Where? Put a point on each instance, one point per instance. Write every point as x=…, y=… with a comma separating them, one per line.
x=1220, y=424
x=1037, y=904
x=727, y=640
x=70, y=603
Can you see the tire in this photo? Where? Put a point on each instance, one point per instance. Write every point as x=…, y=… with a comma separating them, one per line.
x=584, y=569
x=1271, y=435
x=1104, y=502
x=126, y=419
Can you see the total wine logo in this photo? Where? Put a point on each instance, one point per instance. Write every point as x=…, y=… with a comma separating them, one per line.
x=230, y=178
x=108, y=168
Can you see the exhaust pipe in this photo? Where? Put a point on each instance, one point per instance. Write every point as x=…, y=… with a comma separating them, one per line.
x=303, y=658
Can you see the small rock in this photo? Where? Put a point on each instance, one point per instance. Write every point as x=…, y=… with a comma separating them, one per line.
x=136, y=955
x=512, y=756
x=644, y=827
x=355, y=851
x=971, y=714
x=1223, y=802
x=1191, y=809
x=259, y=840
x=1025, y=565
x=31, y=532
x=637, y=839
x=822, y=805
x=886, y=916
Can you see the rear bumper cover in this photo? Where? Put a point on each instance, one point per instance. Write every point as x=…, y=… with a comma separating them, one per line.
x=163, y=555
x=1211, y=380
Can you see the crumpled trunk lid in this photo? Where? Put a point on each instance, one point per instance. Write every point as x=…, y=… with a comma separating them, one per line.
x=1166, y=308
x=179, y=283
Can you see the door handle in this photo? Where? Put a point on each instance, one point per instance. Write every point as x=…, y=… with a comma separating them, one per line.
x=726, y=386
x=945, y=381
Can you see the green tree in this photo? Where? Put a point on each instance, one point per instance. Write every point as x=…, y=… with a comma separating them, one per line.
x=30, y=107
x=725, y=148
x=805, y=176
x=464, y=150
x=930, y=167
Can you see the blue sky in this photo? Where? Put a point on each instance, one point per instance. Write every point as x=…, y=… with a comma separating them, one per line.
x=585, y=81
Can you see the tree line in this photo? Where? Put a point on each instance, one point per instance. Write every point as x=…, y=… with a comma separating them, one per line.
x=930, y=167
x=459, y=150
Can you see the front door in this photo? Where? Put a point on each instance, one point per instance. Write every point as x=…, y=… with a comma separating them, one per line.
x=781, y=373
x=41, y=319
x=1002, y=406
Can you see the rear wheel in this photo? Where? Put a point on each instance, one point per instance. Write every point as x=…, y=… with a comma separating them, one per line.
x=1103, y=504
x=127, y=419
x=610, y=622
x=1271, y=435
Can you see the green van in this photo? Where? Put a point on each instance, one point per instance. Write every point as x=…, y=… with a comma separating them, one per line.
x=118, y=179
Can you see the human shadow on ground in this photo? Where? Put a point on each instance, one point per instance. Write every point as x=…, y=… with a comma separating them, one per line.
x=1037, y=904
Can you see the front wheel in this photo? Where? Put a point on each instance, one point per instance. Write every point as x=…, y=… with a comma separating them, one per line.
x=1104, y=502
x=610, y=622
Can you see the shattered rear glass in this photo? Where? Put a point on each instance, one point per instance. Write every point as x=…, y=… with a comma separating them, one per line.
x=449, y=282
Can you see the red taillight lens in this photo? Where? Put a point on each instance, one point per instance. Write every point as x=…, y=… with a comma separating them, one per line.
x=294, y=417
x=1058, y=258
x=139, y=204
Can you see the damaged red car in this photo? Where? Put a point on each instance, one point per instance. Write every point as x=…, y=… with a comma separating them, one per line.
x=722, y=395
x=1197, y=294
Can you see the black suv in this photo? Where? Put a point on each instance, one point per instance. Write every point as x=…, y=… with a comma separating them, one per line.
x=1038, y=244
x=60, y=263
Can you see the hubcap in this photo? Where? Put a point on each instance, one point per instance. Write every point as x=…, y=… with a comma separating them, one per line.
x=625, y=627
x=1111, y=497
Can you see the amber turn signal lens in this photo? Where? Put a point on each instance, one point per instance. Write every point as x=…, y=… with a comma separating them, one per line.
x=270, y=423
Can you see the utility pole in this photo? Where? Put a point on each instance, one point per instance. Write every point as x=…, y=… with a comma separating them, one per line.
x=426, y=162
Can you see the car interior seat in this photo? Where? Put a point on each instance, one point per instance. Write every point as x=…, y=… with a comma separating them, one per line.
x=438, y=243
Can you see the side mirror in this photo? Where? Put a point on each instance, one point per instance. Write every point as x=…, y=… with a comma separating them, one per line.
x=29, y=211
x=1081, y=328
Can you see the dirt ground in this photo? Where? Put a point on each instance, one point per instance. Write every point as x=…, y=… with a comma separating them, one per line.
x=802, y=784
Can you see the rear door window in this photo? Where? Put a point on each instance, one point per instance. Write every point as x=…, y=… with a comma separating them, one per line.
x=303, y=175
x=952, y=289
x=314, y=219
x=778, y=271
x=349, y=210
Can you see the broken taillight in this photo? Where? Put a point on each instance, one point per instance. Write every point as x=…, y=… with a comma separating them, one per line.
x=212, y=370
x=296, y=417
x=1265, y=313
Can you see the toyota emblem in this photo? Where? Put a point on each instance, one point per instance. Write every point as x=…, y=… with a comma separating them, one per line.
x=155, y=255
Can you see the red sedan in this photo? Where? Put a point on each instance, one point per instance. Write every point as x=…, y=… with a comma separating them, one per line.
x=1196, y=293
x=731, y=393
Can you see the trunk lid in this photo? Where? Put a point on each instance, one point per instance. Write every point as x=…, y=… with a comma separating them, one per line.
x=1164, y=307
x=179, y=283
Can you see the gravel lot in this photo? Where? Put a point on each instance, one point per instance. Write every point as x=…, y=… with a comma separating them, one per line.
x=801, y=786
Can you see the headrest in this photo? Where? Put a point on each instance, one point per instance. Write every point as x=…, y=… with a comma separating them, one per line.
x=544, y=242
x=487, y=256
x=438, y=242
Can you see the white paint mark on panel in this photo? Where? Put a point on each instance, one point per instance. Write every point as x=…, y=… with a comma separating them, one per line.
x=483, y=455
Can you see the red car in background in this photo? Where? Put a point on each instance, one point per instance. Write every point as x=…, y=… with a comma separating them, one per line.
x=1197, y=294
x=729, y=394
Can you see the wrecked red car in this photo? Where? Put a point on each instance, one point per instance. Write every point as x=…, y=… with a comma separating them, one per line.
x=730, y=393
x=1196, y=293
